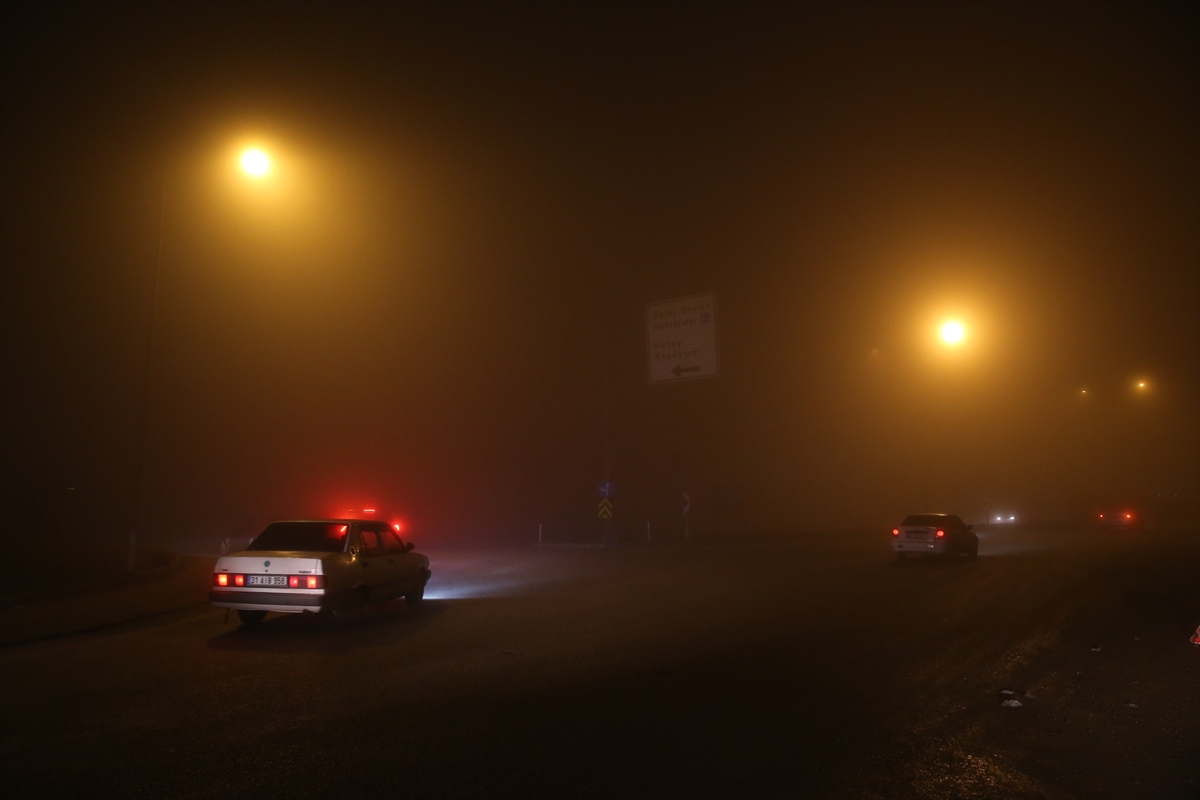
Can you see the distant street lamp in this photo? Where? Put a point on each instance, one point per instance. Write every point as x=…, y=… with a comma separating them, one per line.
x=953, y=332
x=256, y=164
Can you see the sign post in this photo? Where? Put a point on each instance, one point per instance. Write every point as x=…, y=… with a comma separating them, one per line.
x=687, y=506
x=681, y=339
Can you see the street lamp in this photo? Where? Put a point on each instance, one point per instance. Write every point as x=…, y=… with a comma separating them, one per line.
x=256, y=164
x=953, y=332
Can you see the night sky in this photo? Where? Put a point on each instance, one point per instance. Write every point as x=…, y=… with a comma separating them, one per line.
x=436, y=306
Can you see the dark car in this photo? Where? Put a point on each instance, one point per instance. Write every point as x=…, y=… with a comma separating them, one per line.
x=934, y=534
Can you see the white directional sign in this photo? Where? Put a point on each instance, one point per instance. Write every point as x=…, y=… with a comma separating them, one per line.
x=681, y=339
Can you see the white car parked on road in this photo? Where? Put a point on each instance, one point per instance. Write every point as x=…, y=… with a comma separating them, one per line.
x=329, y=565
x=934, y=534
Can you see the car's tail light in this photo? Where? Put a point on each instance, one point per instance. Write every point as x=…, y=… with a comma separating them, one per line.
x=294, y=581
x=895, y=531
x=313, y=582
x=940, y=534
x=220, y=579
x=239, y=580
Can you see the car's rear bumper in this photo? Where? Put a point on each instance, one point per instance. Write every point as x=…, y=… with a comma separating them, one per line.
x=918, y=546
x=287, y=602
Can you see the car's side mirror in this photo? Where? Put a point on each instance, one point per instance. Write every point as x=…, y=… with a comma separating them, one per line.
x=353, y=550
x=408, y=546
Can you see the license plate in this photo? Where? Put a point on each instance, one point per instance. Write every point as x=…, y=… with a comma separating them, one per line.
x=266, y=580
x=916, y=534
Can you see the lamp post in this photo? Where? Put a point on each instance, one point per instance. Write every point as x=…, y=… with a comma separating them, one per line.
x=255, y=163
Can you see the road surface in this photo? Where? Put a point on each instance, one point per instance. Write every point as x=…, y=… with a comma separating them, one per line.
x=808, y=667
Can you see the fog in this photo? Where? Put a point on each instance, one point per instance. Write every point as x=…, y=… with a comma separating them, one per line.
x=436, y=305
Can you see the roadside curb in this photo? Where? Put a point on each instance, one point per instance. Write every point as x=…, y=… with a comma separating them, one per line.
x=104, y=626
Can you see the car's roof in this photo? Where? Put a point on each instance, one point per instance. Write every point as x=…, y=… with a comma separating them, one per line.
x=334, y=521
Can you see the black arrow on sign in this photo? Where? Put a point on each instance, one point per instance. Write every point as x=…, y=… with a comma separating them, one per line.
x=681, y=369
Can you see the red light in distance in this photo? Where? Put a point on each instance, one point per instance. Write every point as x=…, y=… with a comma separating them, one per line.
x=895, y=531
x=368, y=511
x=940, y=534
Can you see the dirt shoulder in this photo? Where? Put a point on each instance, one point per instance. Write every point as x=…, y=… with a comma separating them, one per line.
x=181, y=582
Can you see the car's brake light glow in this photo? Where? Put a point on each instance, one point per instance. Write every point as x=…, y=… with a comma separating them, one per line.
x=1129, y=516
x=397, y=527
x=940, y=534
x=312, y=582
x=221, y=579
x=895, y=531
x=294, y=581
x=239, y=580
x=368, y=511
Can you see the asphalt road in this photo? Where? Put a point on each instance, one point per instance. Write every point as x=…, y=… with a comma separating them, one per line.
x=814, y=667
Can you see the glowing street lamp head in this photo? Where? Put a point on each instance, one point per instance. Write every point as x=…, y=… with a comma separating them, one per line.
x=255, y=163
x=953, y=332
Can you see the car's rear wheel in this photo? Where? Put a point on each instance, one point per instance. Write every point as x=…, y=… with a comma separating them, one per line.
x=352, y=607
x=251, y=618
x=973, y=550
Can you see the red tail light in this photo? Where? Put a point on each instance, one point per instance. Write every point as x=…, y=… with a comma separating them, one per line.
x=239, y=580
x=940, y=534
x=895, y=531
x=221, y=579
x=294, y=581
x=312, y=582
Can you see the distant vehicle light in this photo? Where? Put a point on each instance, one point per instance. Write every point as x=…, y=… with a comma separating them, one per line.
x=397, y=527
x=1129, y=516
x=239, y=580
x=940, y=534
x=1011, y=519
x=895, y=531
x=368, y=511
x=222, y=579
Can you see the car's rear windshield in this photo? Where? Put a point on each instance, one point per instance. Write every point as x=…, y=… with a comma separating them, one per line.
x=924, y=519
x=312, y=537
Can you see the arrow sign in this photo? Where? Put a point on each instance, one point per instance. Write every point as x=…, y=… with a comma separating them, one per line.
x=605, y=510
x=680, y=369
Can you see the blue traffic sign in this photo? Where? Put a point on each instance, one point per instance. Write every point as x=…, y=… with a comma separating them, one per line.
x=606, y=489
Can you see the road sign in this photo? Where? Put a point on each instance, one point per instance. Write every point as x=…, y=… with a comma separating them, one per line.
x=681, y=339
x=605, y=510
x=606, y=489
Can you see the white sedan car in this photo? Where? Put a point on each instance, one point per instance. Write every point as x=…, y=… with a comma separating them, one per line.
x=329, y=565
x=934, y=534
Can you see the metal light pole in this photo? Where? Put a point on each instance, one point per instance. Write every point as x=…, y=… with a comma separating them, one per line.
x=139, y=511
x=256, y=164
